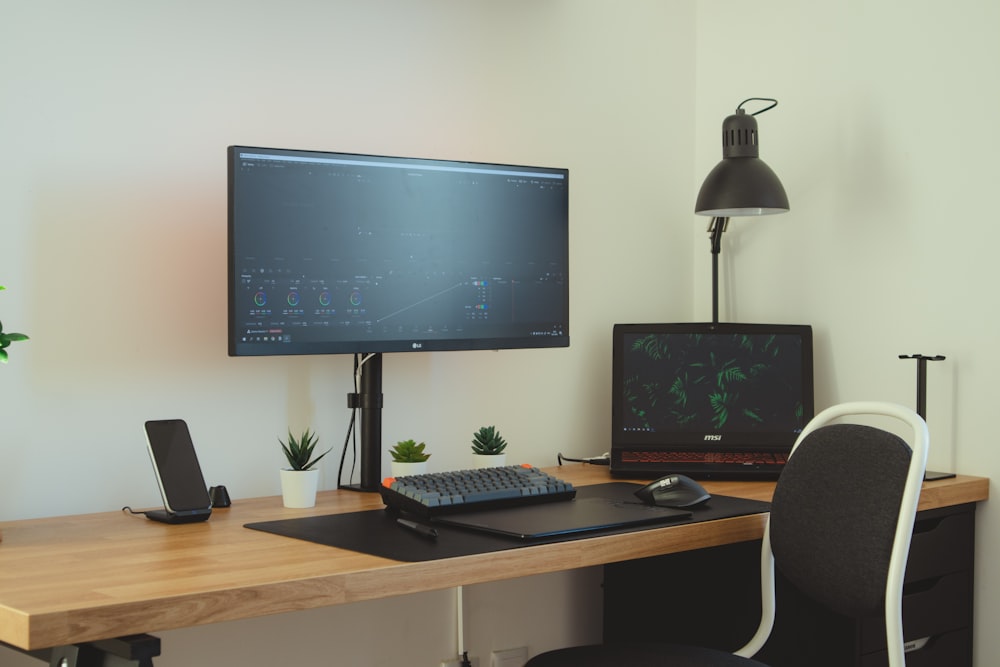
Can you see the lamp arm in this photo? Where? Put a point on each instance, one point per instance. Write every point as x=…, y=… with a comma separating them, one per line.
x=716, y=227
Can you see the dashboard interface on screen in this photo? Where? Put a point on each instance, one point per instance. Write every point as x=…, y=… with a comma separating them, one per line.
x=344, y=253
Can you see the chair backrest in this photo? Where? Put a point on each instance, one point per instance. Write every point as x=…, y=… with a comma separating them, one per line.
x=842, y=516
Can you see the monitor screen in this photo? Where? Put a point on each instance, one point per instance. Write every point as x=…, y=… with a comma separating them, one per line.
x=345, y=253
x=732, y=387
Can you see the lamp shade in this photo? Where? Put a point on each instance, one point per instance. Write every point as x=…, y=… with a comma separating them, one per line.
x=741, y=184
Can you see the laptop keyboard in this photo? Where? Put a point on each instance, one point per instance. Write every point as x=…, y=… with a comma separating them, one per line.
x=440, y=493
x=744, y=458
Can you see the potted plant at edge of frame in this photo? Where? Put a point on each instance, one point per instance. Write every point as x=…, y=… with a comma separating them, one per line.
x=7, y=338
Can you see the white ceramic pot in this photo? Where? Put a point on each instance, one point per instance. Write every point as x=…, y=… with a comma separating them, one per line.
x=298, y=487
x=400, y=469
x=489, y=460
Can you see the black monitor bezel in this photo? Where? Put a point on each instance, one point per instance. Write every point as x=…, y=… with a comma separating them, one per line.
x=238, y=348
x=731, y=441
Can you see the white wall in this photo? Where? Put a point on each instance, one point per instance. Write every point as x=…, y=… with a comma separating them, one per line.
x=884, y=141
x=112, y=200
x=113, y=124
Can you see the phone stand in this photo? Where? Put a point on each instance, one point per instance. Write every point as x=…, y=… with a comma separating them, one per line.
x=164, y=516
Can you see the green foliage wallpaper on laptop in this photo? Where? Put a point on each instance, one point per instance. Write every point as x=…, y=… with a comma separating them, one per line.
x=738, y=382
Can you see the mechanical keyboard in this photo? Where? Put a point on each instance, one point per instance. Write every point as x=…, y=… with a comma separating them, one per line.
x=440, y=493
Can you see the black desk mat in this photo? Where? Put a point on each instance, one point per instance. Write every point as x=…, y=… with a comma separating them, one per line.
x=376, y=532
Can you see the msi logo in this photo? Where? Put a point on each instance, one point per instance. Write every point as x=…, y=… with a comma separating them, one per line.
x=713, y=438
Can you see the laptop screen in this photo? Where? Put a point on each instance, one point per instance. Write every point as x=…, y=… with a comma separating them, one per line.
x=723, y=387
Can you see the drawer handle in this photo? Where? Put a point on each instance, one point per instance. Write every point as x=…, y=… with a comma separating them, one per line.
x=920, y=586
x=926, y=525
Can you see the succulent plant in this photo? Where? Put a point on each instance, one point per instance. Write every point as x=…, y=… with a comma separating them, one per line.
x=408, y=451
x=299, y=451
x=7, y=338
x=487, y=441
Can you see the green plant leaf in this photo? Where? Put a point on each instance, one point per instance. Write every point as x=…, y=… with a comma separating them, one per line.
x=680, y=393
x=299, y=452
x=730, y=374
x=7, y=338
x=487, y=440
x=408, y=451
x=720, y=408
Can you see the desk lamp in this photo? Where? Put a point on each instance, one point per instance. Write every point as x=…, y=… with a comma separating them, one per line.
x=740, y=185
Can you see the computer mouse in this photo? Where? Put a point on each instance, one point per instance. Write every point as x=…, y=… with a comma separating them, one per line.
x=673, y=491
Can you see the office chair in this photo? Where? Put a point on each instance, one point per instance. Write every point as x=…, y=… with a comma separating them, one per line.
x=839, y=530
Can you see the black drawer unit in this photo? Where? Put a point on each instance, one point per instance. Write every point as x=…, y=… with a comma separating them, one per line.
x=937, y=594
x=944, y=650
x=712, y=598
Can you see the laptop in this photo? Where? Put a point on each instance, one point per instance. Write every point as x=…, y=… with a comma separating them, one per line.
x=708, y=400
x=563, y=518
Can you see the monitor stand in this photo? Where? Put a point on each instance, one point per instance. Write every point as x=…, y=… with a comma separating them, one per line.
x=369, y=400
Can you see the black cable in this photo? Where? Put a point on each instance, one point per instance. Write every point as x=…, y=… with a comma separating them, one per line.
x=343, y=453
x=773, y=103
x=355, y=405
x=602, y=460
x=350, y=431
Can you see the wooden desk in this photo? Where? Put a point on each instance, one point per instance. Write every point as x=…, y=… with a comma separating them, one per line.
x=66, y=580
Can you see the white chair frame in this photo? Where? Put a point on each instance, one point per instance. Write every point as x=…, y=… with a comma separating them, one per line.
x=904, y=529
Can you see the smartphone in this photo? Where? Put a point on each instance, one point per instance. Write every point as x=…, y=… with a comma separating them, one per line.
x=182, y=486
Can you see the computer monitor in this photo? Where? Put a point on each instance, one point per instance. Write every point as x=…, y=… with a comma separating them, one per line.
x=340, y=253
x=722, y=387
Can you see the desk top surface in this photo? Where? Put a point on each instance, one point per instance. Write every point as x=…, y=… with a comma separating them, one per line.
x=80, y=578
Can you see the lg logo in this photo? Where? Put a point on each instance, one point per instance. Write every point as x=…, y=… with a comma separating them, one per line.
x=713, y=437
x=417, y=346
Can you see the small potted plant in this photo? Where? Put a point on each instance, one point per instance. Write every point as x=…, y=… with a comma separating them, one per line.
x=409, y=458
x=300, y=480
x=7, y=338
x=488, y=448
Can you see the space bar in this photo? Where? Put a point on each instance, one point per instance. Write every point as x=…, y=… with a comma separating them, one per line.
x=494, y=494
